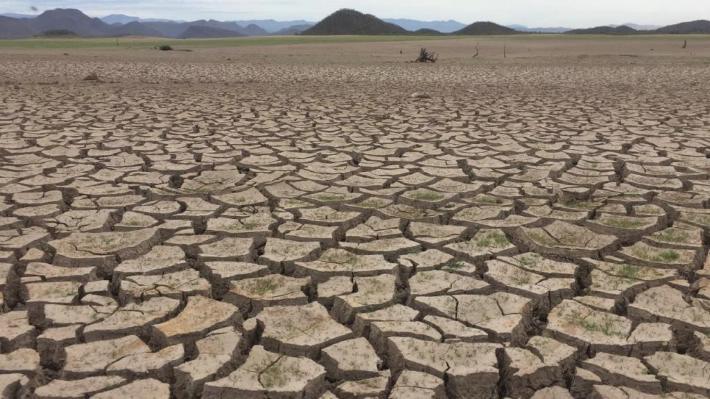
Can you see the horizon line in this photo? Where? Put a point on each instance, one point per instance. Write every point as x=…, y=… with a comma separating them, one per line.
x=451, y=20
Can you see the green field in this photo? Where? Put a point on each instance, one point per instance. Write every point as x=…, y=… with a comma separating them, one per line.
x=150, y=42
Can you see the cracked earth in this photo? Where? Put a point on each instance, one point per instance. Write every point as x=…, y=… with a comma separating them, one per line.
x=324, y=230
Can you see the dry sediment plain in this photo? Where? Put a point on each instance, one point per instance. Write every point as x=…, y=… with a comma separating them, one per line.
x=330, y=221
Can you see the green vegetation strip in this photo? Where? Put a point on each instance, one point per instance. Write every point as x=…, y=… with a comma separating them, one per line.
x=152, y=42
x=177, y=44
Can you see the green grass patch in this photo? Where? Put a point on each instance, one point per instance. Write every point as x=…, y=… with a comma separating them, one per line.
x=64, y=42
x=275, y=376
x=576, y=204
x=486, y=199
x=521, y=278
x=528, y=259
x=606, y=327
x=374, y=202
x=329, y=197
x=673, y=235
x=491, y=239
x=629, y=271
x=177, y=44
x=604, y=324
x=542, y=238
x=454, y=265
x=668, y=256
x=426, y=195
x=262, y=286
x=623, y=223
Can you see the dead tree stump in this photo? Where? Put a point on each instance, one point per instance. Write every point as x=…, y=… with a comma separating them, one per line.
x=426, y=56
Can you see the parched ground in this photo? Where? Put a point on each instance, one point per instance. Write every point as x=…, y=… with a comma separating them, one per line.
x=329, y=221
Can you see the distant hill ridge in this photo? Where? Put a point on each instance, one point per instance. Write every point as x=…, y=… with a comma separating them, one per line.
x=351, y=22
x=486, y=28
x=692, y=27
x=205, y=32
x=605, y=30
x=120, y=25
x=69, y=19
x=414, y=25
x=342, y=22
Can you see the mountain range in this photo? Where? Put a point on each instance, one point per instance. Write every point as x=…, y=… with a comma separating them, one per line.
x=692, y=27
x=555, y=29
x=268, y=25
x=78, y=23
x=638, y=26
x=342, y=22
x=413, y=25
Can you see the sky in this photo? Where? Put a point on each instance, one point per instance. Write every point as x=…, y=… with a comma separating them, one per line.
x=537, y=13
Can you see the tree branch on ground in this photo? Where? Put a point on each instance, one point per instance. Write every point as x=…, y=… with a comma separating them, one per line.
x=426, y=56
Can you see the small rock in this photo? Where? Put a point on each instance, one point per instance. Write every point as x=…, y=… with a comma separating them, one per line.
x=419, y=95
x=93, y=76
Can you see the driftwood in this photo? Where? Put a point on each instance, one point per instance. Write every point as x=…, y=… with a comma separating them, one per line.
x=426, y=56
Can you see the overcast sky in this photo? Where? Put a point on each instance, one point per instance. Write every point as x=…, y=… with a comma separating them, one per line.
x=574, y=13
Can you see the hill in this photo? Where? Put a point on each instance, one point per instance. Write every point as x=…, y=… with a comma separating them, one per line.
x=427, y=32
x=204, y=32
x=179, y=29
x=121, y=19
x=486, y=28
x=265, y=26
x=292, y=30
x=700, y=26
x=351, y=22
x=273, y=26
x=133, y=29
x=253, y=30
x=119, y=25
x=168, y=29
x=640, y=26
x=58, y=33
x=230, y=26
x=12, y=28
x=342, y=22
x=69, y=19
x=62, y=20
x=414, y=24
x=546, y=29
x=605, y=30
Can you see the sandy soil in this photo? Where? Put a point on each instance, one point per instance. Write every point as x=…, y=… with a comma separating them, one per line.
x=332, y=221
